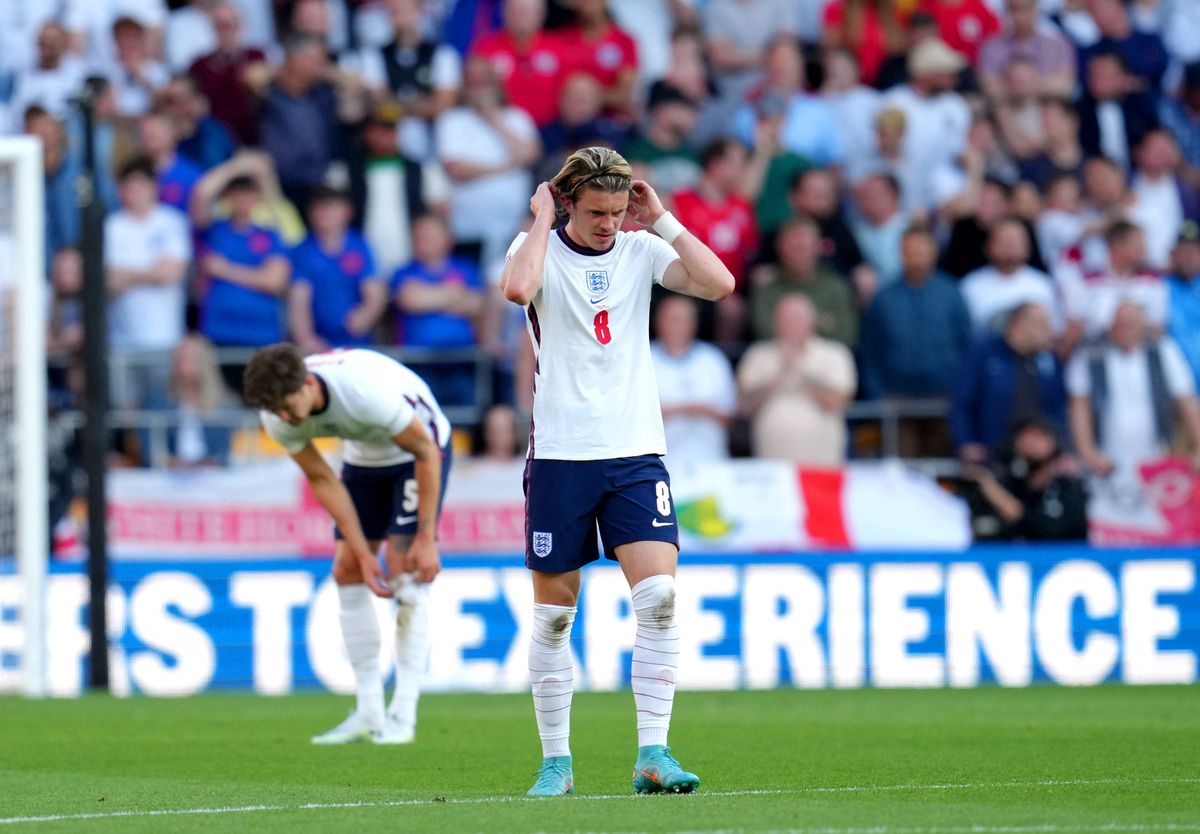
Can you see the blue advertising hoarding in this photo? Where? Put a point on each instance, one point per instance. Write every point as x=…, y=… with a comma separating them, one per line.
x=1009, y=616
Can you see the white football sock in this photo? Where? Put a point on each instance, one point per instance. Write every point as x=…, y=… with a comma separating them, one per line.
x=655, y=657
x=360, y=631
x=552, y=672
x=412, y=647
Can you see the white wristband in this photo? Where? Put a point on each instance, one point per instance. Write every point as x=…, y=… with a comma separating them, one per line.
x=668, y=227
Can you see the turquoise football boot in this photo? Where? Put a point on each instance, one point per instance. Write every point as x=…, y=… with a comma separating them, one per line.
x=554, y=777
x=657, y=771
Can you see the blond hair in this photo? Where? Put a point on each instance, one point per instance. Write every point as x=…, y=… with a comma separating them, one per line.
x=213, y=393
x=602, y=169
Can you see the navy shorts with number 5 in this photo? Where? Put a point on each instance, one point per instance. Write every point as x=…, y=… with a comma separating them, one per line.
x=385, y=497
x=628, y=499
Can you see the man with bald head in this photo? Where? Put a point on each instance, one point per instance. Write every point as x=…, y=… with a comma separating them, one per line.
x=1126, y=395
x=795, y=389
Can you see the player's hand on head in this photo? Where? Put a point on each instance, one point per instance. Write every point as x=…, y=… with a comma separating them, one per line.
x=543, y=200
x=644, y=205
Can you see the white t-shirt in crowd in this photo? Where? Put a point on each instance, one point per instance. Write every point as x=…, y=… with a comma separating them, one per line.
x=1113, y=142
x=387, y=217
x=147, y=317
x=701, y=375
x=487, y=208
x=95, y=19
x=990, y=295
x=1128, y=436
x=595, y=394
x=1094, y=300
x=20, y=21
x=189, y=35
x=49, y=89
x=1057, y=232
x=937, y=126
x=854, y=114
x=369, y=399
x=1159, y=213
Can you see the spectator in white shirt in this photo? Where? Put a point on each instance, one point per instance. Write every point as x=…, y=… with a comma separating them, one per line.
x=189, y=34
x=1126, y=394
x=147, y=247
x=90, y=24
x=695, y=385
x=937, y=117
x=1163, y=200
x=1007, y=281
x=51, y=81
x=486, y=148
x=1092, y=302
x=853, y=103
x=1060, y=225
x=135, y=76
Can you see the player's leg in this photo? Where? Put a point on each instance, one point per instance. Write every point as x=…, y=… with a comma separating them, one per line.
x=369, y=489
x=552, y=676
x=640, y=530
x=560, y=538
x=411, y=646
x=360, y=633
x=412, y=607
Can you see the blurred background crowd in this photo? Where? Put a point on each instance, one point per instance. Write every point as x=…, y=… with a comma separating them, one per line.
x=962, y=230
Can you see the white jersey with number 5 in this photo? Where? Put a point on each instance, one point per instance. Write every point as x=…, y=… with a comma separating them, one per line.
x=369, y=399
x=595, y=395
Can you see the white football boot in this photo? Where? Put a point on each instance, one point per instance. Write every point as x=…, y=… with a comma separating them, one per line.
x=354, y=729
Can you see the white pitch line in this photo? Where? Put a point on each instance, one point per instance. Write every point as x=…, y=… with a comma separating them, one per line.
x=325, y=806
x=832, y=789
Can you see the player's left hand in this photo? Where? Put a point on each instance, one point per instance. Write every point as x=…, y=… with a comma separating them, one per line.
x=644, y=205
x=422, y=559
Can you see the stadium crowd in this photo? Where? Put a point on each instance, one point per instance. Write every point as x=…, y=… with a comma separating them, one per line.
x=994, y=202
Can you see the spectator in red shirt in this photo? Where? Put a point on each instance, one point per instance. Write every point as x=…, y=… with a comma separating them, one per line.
x=604, y=51
x=723, y=218
x=964, y=24
x=531, y=63
x=220, y=75
x=871, y=29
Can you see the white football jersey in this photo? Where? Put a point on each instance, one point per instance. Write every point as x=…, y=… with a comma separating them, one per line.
x=595, y=396
x=369, y=399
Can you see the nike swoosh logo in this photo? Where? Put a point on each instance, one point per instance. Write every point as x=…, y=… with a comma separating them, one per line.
x=405, y=519
x=657, y=523
x=598, y=300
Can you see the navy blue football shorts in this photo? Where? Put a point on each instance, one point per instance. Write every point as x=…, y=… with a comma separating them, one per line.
x=385, y=497
x=567, y=502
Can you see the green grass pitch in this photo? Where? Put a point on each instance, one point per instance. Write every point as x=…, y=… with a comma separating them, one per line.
x=987, y=761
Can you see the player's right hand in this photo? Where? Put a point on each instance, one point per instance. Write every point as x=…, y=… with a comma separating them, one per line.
x=543, y=201
x=374, y=576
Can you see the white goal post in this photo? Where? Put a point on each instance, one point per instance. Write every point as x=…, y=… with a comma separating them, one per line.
x=23, y=356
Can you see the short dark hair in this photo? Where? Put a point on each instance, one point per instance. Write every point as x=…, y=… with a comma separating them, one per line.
x=139, y=166
x=328, y=194
x=1120, y=230
x=716, y=149
x=273, y=374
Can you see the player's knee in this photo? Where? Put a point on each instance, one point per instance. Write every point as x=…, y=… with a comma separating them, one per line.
x=654, y=601
x=346, y=572
x=552, y=623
